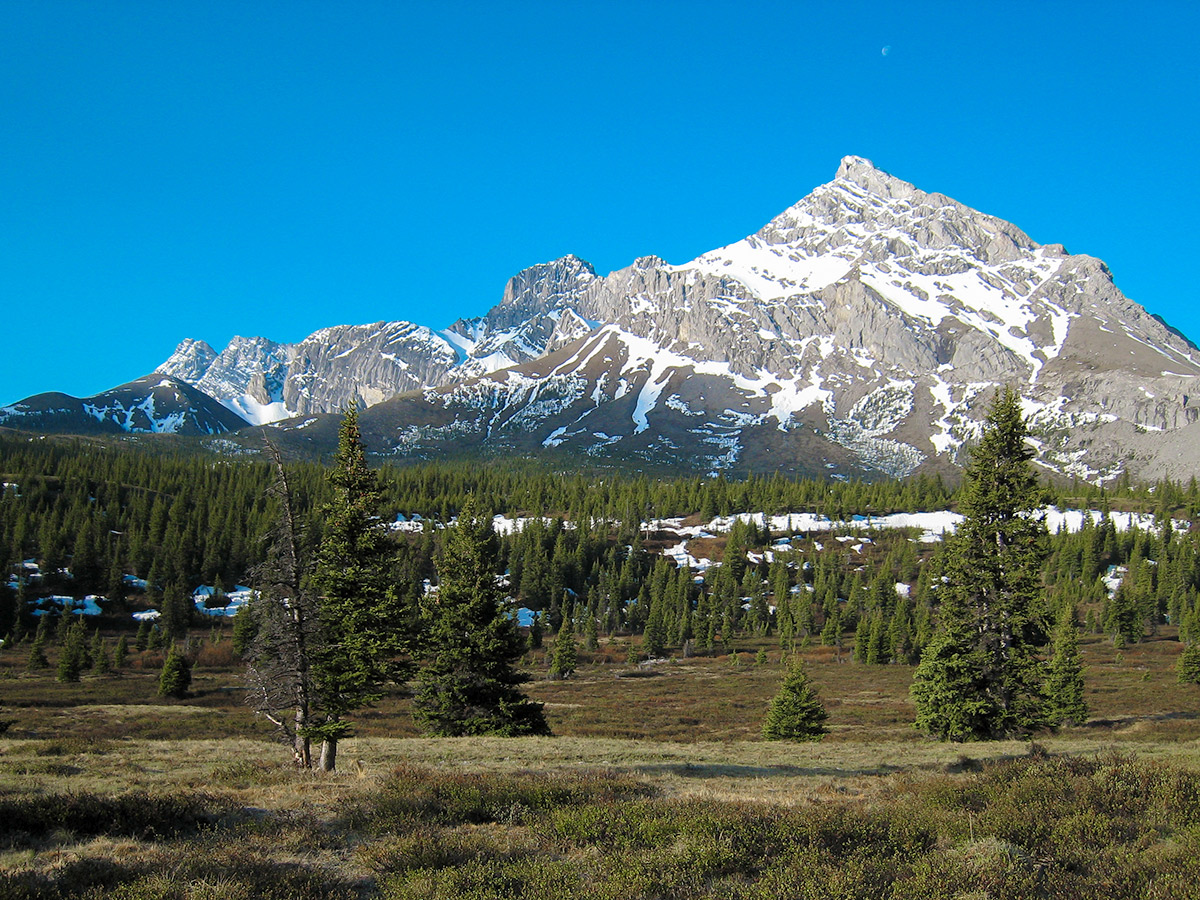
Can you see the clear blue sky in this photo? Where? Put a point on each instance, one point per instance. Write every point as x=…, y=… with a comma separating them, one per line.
x=206, y=169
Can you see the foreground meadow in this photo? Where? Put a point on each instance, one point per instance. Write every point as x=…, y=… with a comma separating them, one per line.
x=655, y=785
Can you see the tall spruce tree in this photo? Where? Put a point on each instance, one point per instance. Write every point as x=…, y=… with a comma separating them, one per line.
x=979, y=678
x=469, y=683
x=364, y=622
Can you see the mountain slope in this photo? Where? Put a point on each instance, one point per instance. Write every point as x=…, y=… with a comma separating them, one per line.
x=154, y=404
x=864, y=327
x=860, y=332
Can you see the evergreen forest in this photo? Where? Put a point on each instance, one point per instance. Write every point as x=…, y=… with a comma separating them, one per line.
x=144, y=530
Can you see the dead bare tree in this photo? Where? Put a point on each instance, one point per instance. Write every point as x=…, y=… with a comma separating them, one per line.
x=279, y=672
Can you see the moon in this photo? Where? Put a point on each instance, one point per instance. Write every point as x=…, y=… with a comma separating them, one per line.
x=886, y=50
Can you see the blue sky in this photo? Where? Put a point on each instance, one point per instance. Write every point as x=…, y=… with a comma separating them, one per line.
x=172, y=170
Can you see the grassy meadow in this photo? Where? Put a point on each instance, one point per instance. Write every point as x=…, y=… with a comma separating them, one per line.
x=656, y=784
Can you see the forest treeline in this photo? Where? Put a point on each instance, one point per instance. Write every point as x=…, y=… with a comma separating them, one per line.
x=179, y=521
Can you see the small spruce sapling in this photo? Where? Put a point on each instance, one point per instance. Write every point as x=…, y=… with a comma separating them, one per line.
x=37, y=652
x=565, y=656
x=1065, y=703
x=1188, y=667
x=176, y=675
x=796, y=713
x=74, y=657
x=121, y=652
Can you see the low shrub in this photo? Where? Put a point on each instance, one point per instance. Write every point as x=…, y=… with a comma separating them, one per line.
x=142, y=815
x=412, y=794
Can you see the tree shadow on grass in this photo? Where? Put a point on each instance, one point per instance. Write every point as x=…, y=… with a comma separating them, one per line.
x=726, y=770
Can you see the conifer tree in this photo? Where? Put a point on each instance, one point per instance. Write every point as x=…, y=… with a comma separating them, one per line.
x=565, y=658
x=591, y=633
x=1065, y=703
x=654, y=638
x=101, y=658
x=364, y=623
x=831, y=633
x=469, y=683
x=245, y=629
x=279, y=630
x=176, y=612
x=979, y=678
x=176, y=675
x=536, y=631
x=121, y=652
x=796, y=712
x=74, y=657
x=37, y=651
x=1188, y=667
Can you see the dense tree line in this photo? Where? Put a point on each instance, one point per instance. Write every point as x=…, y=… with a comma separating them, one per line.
x=181, y=520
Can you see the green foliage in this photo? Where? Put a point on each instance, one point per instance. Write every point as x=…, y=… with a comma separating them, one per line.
x=176, y=675
x=37, y=650
x=536, y=632
x=469, y=683
x=796, y=713
x=365, y=625
x=1106, y=826
x=979, y=678
x=1065, y=703
x=75, y=656
x=412, y=796
x=565, y=658
x=131, y=814
x=121, y=652
x=102, y=660
x=1188, y=667
x=177, y=611
x=245, y=630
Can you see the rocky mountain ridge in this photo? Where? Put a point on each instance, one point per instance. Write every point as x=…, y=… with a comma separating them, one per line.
x=859, y=332
x=153, y=404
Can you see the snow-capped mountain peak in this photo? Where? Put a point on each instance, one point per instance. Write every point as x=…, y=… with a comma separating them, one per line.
x=859, y=332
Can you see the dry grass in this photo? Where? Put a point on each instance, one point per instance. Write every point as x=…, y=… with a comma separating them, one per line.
x=688, y=732
x=691, y=727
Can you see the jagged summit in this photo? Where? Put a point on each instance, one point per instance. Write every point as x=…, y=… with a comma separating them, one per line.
x=869, y=177
x=858, y=333
x=865, y=324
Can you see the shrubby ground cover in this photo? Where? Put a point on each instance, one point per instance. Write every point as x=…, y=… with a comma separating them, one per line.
x=1106, y=825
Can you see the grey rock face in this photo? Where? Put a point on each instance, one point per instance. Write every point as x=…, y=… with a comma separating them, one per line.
x=872, y=319
x=364, y=364
x=264, y=381
x=190, y=361
x=863, y=328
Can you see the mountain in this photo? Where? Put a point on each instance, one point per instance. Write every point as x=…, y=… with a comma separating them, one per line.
x=859, y=332
x=154, y=404
x=264, y=381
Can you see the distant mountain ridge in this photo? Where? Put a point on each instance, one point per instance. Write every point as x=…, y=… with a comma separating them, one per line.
x=859, y=332
x=153, y=404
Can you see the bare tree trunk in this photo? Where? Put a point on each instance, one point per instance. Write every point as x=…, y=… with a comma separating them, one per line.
x=328, y=755
x=280, y=665
x=302, y=751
